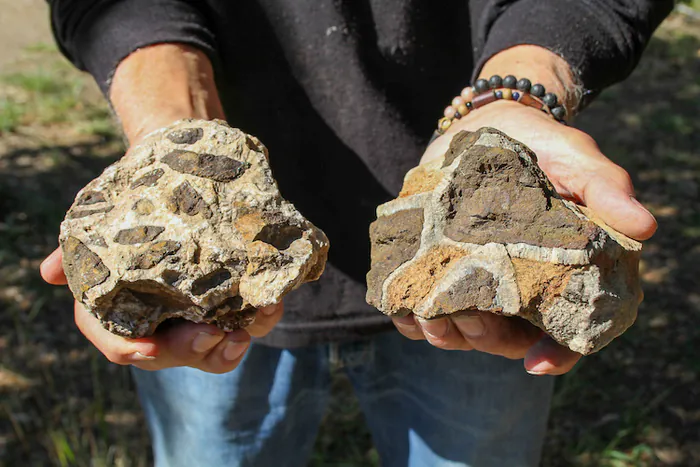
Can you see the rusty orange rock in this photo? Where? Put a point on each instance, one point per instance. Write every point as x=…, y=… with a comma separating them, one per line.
x=482, y=228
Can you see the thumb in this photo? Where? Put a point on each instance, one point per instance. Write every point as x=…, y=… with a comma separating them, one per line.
x=611, y=197
x=52, y=268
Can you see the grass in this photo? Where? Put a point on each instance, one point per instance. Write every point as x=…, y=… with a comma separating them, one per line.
x=48, y=91
x=695, y=4
x=635, y=404
x=11, y=113
x=61, y=404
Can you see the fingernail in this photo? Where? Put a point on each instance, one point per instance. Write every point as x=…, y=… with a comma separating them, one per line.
x=470, y=326
x=268, y=310
x=541, y=368
x=436, y=328
x=205, y=341
x=141, y=357
x=234, y=350
x=636, y=201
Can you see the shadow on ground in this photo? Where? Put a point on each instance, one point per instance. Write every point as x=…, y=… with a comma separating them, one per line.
x=61, y=404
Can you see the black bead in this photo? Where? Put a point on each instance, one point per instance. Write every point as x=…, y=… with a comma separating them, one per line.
x=559, y=112
x=499, y=94
x=537, y=90
x=469, y=105
x=510, y=81
x=550, y=100
x=458, y=115
x=481, y=86
x=524, y=85
x=495, y=82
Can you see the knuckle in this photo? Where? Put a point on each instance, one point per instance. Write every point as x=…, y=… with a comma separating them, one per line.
x=616, y=174
x=580, y=138
x=622, y=175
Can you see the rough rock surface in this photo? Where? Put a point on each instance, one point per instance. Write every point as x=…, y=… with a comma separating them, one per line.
x=481, y=228
x=190, y=224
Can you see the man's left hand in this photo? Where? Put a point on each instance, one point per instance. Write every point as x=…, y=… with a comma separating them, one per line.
x=579, y=172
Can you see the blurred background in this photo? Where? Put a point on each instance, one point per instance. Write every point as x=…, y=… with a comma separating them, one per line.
x=637, y=403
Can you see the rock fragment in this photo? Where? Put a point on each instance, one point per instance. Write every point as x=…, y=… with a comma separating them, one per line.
x=219, y=168
x=84, y=268
x=190, y=224
x=91, y=197
x=481, y=228
x=185, y=135
x=140, y=234
x=148, y=179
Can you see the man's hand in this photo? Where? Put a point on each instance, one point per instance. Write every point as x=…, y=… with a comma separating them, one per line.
x=202, y=346
x=579, y=171
x=152, y=88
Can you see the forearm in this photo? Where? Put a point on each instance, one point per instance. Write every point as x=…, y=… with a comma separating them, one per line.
x=601, y=40
x=157, y=85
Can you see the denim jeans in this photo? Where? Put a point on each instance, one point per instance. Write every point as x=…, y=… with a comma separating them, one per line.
x=424, y=406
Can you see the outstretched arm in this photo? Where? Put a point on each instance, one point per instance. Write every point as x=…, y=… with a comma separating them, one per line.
x=152, y=79
x=574, y=49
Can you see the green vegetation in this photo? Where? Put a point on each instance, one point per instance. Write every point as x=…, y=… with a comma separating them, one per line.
x=11, y=113
x=695, y=4
x=49, y=91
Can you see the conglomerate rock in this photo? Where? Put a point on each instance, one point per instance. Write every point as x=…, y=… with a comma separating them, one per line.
x=481, y=228
x=189, y=224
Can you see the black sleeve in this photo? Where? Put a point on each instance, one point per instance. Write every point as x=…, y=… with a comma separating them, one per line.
x=602, y=40
x=95, y=35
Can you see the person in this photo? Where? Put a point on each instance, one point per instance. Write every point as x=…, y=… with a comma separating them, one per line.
x=345, y=95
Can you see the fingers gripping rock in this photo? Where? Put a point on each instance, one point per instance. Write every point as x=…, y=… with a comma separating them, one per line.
x=481, y=228
x=190, y=224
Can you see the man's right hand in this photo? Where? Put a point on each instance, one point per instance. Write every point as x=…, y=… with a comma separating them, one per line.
x=202, y=346
x=152, y=88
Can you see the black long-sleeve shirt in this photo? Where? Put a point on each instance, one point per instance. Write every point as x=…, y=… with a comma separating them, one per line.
x=346, y=93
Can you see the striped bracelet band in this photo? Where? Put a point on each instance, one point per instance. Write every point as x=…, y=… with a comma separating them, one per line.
x=496, y=88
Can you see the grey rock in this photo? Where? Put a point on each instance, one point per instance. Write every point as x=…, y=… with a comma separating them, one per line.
x=189, y=224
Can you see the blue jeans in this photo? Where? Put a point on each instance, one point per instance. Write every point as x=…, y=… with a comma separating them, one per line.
x=424, y=406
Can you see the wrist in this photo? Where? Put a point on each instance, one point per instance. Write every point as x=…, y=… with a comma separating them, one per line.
x=541, y=66
x=160, y=84
x=500, y=114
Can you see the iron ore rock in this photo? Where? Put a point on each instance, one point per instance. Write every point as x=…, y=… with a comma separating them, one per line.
x=482, y=228
x=189, y=224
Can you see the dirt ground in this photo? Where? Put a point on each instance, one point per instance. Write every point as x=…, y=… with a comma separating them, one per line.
x=22, y=23
x=636, y=403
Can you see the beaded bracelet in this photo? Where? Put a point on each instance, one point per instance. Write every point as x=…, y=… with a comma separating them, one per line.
x=495, y=88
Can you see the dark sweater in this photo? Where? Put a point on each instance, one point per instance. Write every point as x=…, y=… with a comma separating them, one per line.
x=346, y=93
